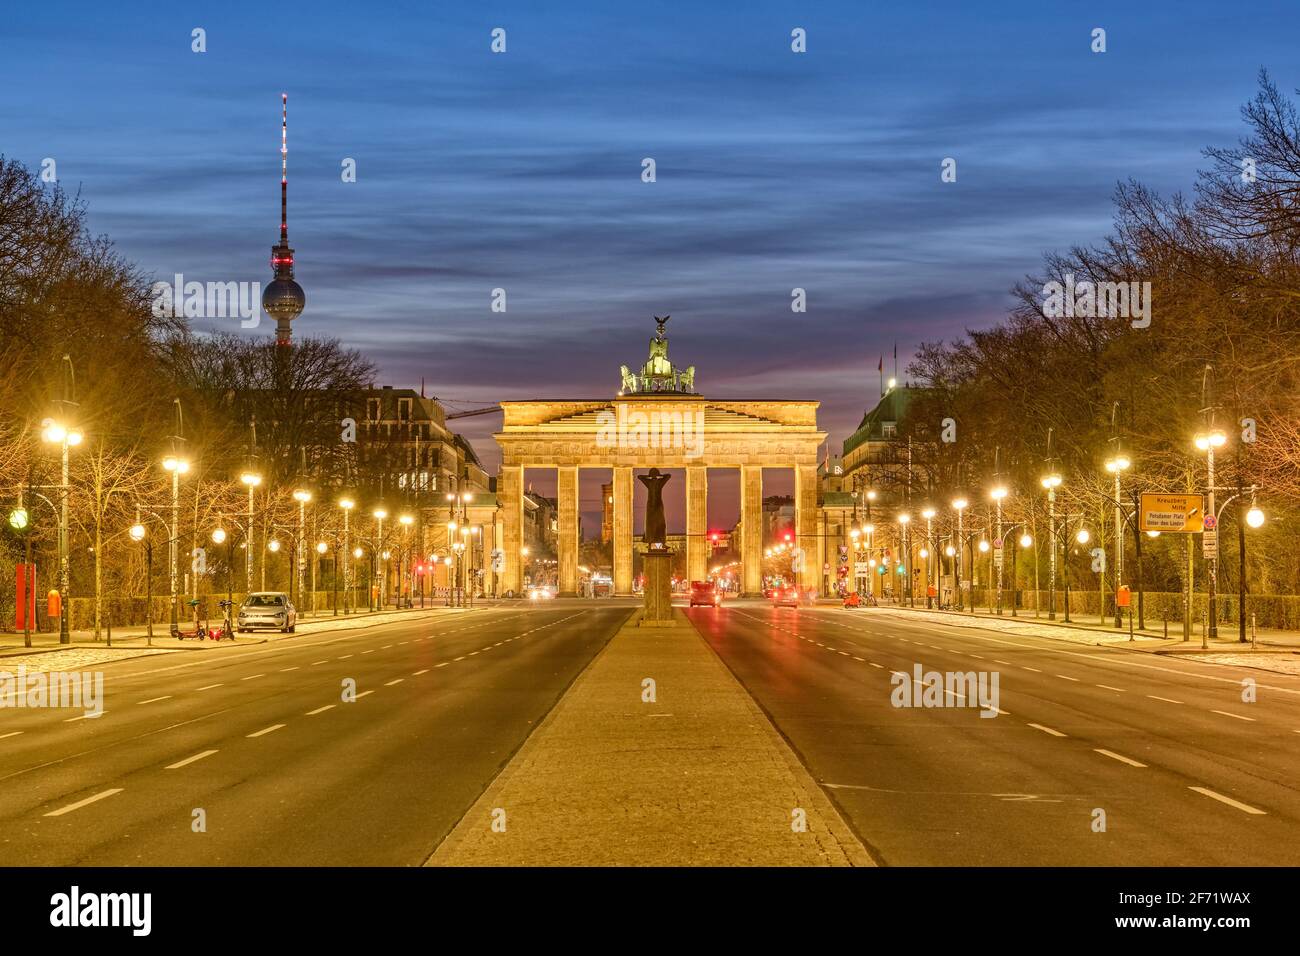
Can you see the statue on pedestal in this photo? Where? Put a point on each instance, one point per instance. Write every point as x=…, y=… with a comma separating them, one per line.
x=656, y=531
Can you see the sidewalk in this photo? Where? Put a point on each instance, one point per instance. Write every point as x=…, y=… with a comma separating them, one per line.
x=698, y=778
x=133, y=641
x=1270, y=641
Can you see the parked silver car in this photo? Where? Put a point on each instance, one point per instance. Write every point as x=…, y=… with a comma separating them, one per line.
x=267, y=609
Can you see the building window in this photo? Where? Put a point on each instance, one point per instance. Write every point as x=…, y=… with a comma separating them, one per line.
x=404, y=409
x=372, y=409
x=888, y=430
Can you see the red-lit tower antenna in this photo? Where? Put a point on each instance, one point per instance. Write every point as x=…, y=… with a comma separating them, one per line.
x=283, y=299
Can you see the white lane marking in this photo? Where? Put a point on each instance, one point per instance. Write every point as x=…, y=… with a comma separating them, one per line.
x=874, y=664
x=1047, y=730
x=371, y=651
x=363, y=694
x=1245, y=807
x=198, y=756
x=856, y=658
x=314, y=663
x=210, y=686
x=386, y=647
x=293, y=668
x=1120, y=757
x=252, y=677
x=418, y=673
x=444, y=664
x=82, y=803
x=1108, y=687
x=396, y=681
x=1167, y=700
x=15, y=733
x=454, y=659
x=318, y=710
x=1005, y=663
x=1063, y=677
x=845, y=653
x=265, y=730
x=977, y=657
x=1229, y=714
x=154, y=700
x=1034, y=669
x=343, y=658
x=86, y=716
x=400, y=643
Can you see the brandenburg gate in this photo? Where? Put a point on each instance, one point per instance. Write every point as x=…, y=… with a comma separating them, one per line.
x=658, y=420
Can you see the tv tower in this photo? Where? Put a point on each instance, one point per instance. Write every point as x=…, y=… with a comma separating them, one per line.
x=283, y=299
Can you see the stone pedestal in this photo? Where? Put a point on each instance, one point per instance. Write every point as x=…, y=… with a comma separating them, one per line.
x=658, y=594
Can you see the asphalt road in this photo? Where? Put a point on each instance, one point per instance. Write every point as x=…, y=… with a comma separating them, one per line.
x=285, y=772
x=1184, y=770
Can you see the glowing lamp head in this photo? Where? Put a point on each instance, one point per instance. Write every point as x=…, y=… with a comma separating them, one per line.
x=380, y=513
x=904, y=519
x=405, y=519
x=927, y=514
x=302, y=496
x=252, y=479
x=218, y=535
x=137, y=532
x=1026, y=541
x=347, y=504
x=273, y=545
x=998, y=493
x=925, y=552
x=960, y=503
x=1083, y=537
x=950, y=551
x=321, y=547
x=52, y=431
x=1254, y=517
x=18, y=520
x=984, y=546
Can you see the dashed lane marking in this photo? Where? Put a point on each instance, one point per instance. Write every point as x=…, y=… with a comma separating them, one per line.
x=154, y=700
x=83, y=803
x=1244, y=807
x=1226, y=713
x=188, y=760
x=252, y=677
x=396, y=680
x=418, y=673
x=1167, y=700
x=1120, y=757
x=1120, y=690
x=1047, y=730
x=266, y=730
x=318, y=710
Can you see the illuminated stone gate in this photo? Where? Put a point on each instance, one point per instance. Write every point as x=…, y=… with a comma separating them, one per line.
x=658, y=420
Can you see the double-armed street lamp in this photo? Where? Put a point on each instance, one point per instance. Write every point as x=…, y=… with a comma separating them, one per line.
x=302, y=496
x=379, y=515
x=928, y=514
x=997, y=494
x=1051, y=481
x=905, y=520
x=959, y=505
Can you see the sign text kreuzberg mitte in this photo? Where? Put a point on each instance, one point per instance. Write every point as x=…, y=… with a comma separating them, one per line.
x=1171, y=513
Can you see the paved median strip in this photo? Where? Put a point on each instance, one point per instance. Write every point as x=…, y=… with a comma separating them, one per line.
x=189, y=760
x=83, y=803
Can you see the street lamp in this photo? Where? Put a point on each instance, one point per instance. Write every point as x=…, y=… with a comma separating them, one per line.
x=997, y=494
x=406, y=521
x=905, y=520
x=1051, y=482
x=251, y=479
x=137, y=533
x=1117, y=466
x=1207, y=442
x=347, y=504
x=928, y=515
x=177, y=466
x=380, y=514
x=959, y=505
x=55, y=433
x=302, y=496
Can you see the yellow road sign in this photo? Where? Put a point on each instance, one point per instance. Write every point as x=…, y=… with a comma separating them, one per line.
x=1176, y=514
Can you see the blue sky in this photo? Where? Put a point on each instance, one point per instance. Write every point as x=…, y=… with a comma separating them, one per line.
x=522, y=170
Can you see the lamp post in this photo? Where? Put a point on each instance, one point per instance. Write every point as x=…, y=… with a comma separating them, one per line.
x=1207, y=442
x=380, y=514
x=405, y=579
x=998, y=493
x=251, y=479
x=347, y=504
x=1117, y=466
x=356, y=555
x=905, y=520
x=321, y=548
x=138, y=533
x=55, y=433
x=1051, y=482
x=959, y=505
x=302, y=496
x=928, y=515
x=177, y=466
